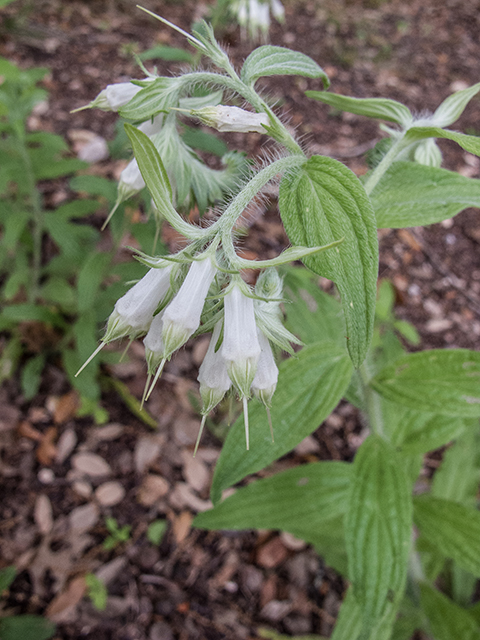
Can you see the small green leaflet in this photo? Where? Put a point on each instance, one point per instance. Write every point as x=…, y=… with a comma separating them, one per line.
x=453, y=528
x=469, y=143
x=156, y=96
x=26, y=627
x=442, y=381
x=447, y=620
x=411, y=195
x=321, y=202
x=310, y=386
x=170, y=54
x=278, y=61
x=378, y=529
x=296, y=500
x=381, y=108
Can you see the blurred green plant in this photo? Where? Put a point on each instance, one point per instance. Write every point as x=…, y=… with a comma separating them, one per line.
x=96, y=591
x=26, y=627
x=118, y=534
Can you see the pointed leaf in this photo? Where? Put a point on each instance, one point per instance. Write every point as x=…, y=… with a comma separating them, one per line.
x=453, y=528
x=381, y=108
x=419, y=432
x=442, y=381
x=378, y=529
x=299, y=499
x=323, y=202
x=453, y=106
x=447, y=620
x=469, y=143
x=278, y=61
x=413, y=195
x=310, y=386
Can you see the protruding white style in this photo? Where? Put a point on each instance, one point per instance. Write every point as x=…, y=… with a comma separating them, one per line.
x=240, y=348
x=213, y=375
x=182, y=316
x=225, y=118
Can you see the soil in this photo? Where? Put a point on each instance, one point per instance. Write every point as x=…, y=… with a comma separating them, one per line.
x=197, y=584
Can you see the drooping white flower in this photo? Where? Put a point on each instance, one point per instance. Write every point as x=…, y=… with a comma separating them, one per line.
x=278, y=11
x=133, y=312
x=240, y=349
x=182, y=316
x=266, y=376
x=153, y=342
x=213, y=375
x=131, y=181
x=226, y=118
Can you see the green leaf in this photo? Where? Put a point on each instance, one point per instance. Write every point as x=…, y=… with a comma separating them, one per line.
x=469, y=143
x=378, y=529
x=459, y=474
x=95, y=186
x=349, y=622
x=321, y=203
x=453, y=106
x=90, y=278
x=442, y=381
x=299, y=499
x=25, y=312
x=169, y=54
x=411, y=195
x=453, y=528
x=275, y=61
x=313, y=316
x=32, y=376
x=273, y=635
x=156, y=531
x=97, y=591
x=447, y=620
x=310, y=385
x=7, y=576
x=156, y=96
x=26, y=627
x=419, y=432
x=381, y=108
x=204, y=141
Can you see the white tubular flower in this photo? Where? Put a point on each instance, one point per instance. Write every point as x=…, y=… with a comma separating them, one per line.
x=182, y=316
x=240, y=348
x=152, y=126
x=153, y=341
x=278, y=11
x=133, y=313
x=265, y=381
x=224, y=118
x=131, y=181
x=213, y=376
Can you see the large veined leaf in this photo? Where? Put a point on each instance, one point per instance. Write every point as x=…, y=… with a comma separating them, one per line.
x=378, y=529
x=419, y=432
x=278, y=61
x=411, y=195
x=323, y=202
x=442, y=381
x=453, y=106
x=447, y=620
x=469, y=143
x=381, y=108
x=299, y=499
x=310, y=385
x=453, y=528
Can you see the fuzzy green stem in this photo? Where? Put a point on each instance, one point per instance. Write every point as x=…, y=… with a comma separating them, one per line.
x=377, y=174
x=372, y=402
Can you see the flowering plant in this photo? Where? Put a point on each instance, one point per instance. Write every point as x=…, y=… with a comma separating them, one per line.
x=360, y=515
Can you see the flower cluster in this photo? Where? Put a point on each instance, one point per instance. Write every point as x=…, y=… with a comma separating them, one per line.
x=254, y=16
x=168, y=310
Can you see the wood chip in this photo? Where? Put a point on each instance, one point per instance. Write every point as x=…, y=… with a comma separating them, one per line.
x=195, y=471
x=181, y=526
x=110, y=493
x=42, y=514
x=47, y=451
x=146, y=452
x=183, y=496
x=153, y=489
x=66, y=407
x=91, y=464
x=83, y=518
x=272, y=553
x=65, y=445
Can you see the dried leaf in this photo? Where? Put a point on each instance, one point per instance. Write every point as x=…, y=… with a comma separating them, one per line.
x=61, y=606
x=42, y=514
x=66, y=407
x=47, y=450
x=181, y=526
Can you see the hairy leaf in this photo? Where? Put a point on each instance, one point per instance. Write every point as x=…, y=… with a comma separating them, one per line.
x=381, y=108
x=275, y=61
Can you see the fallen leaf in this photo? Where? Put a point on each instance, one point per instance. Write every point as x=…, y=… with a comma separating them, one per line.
x=110, y=493
x=62, y=605
x=47, y=451
x=25, y=430
x=153, y=488
x=91, y=465
x=272, y=553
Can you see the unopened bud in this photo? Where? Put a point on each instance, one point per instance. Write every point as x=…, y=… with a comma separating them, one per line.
x=224, y=118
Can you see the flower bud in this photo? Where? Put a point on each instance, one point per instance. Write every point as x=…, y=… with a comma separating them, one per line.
x=131, y=181
x=265, y=381
x=240, y=348
x=133, y=312
x=428, y=153
x=182, y=316
x=153, y=341
x=224, y=118
x=213, y=376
